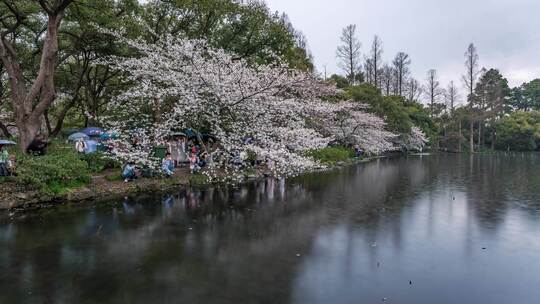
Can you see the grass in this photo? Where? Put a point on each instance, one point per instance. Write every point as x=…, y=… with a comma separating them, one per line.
x=198, y=179
x=113, y=177
x=4, y=179
x=332, y=155
x=61, y=188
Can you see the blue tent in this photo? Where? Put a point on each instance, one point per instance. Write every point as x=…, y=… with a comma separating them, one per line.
x=77, y=136
x=93, y=131
x=91, y=146
x=108, y=135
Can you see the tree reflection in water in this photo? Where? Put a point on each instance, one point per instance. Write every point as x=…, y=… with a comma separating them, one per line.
x=353, y=235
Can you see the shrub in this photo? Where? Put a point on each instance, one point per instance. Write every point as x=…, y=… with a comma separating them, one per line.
x=97, y=162
x=332, y=154
x=54, y=173
x=520, y=131
x=198, y=179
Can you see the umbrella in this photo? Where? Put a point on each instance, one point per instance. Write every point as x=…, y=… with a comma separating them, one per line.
x=178, y=134
x=108, y=135
x=93, y=131
x=5, y=142
x=77, y=136
x=190, y=133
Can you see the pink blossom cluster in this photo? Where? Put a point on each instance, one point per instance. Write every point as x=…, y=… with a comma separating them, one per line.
x=273, y=111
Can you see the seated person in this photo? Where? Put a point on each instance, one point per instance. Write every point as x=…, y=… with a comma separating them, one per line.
x=129, y=173
x=168, y=165
x=203, y=159
x=4, y=160
x=38, y=146
x=194, y=163
x=357, y=151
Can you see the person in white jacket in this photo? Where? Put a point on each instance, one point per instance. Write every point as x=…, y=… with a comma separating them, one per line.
x=80, y=146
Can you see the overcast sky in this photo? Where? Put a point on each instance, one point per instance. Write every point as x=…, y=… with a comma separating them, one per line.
x=435, y=33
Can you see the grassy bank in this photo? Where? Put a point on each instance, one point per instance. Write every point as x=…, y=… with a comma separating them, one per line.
x=57, y=172
x=65, y=176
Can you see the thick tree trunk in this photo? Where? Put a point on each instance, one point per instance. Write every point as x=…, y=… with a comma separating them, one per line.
x=27, y=132
x=28, y=113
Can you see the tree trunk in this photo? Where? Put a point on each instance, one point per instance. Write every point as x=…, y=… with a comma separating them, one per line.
x=47, y=122
x=479, y=141
x=29, y=113
x=471, y=134
x=27, y=132
x=460, y=137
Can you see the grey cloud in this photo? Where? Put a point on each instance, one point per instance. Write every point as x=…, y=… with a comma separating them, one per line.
x=434, y=32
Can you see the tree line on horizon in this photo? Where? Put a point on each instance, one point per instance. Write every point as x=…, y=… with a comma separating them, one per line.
x=491, y=115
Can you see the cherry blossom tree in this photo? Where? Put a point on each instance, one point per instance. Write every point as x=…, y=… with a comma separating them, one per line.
x=414, y=141
x=271, y=110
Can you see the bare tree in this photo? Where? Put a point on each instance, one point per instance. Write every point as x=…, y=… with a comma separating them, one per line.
x=414, y=90
x=348, y=52
x=29, y=103
x=401, y=66
x=368, y=69
x=469, y=79
x=433, y=90
x=387, y=79
x=376, y=59
x=452, y=96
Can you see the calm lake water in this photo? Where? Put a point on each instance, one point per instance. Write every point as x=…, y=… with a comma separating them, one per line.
x=417, y=229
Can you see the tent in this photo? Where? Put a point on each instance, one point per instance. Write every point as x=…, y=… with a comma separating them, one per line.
x=91, y=146
x=93, y=131
x=5, y=142
x=77, y=136
x=178, y=134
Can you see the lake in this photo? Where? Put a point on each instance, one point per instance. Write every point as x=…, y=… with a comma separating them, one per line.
x=438, y=228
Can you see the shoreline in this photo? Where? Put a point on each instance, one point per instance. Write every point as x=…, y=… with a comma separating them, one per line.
x=102, y=190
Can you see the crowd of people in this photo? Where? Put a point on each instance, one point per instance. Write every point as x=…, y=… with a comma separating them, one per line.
x=181, y=152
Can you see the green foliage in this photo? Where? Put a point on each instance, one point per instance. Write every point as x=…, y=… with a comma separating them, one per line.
x=366, y=93
x=55, y=173
x=332, y=155
x=340, y=81
x=113, y=178
x=198, y=179
x=251, y=157
x=250, y=30
x=399, y=114
x=519, y=131
x=527, y=96
x=98, y=162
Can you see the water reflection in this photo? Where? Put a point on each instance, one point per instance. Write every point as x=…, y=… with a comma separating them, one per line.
x=411, y=230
